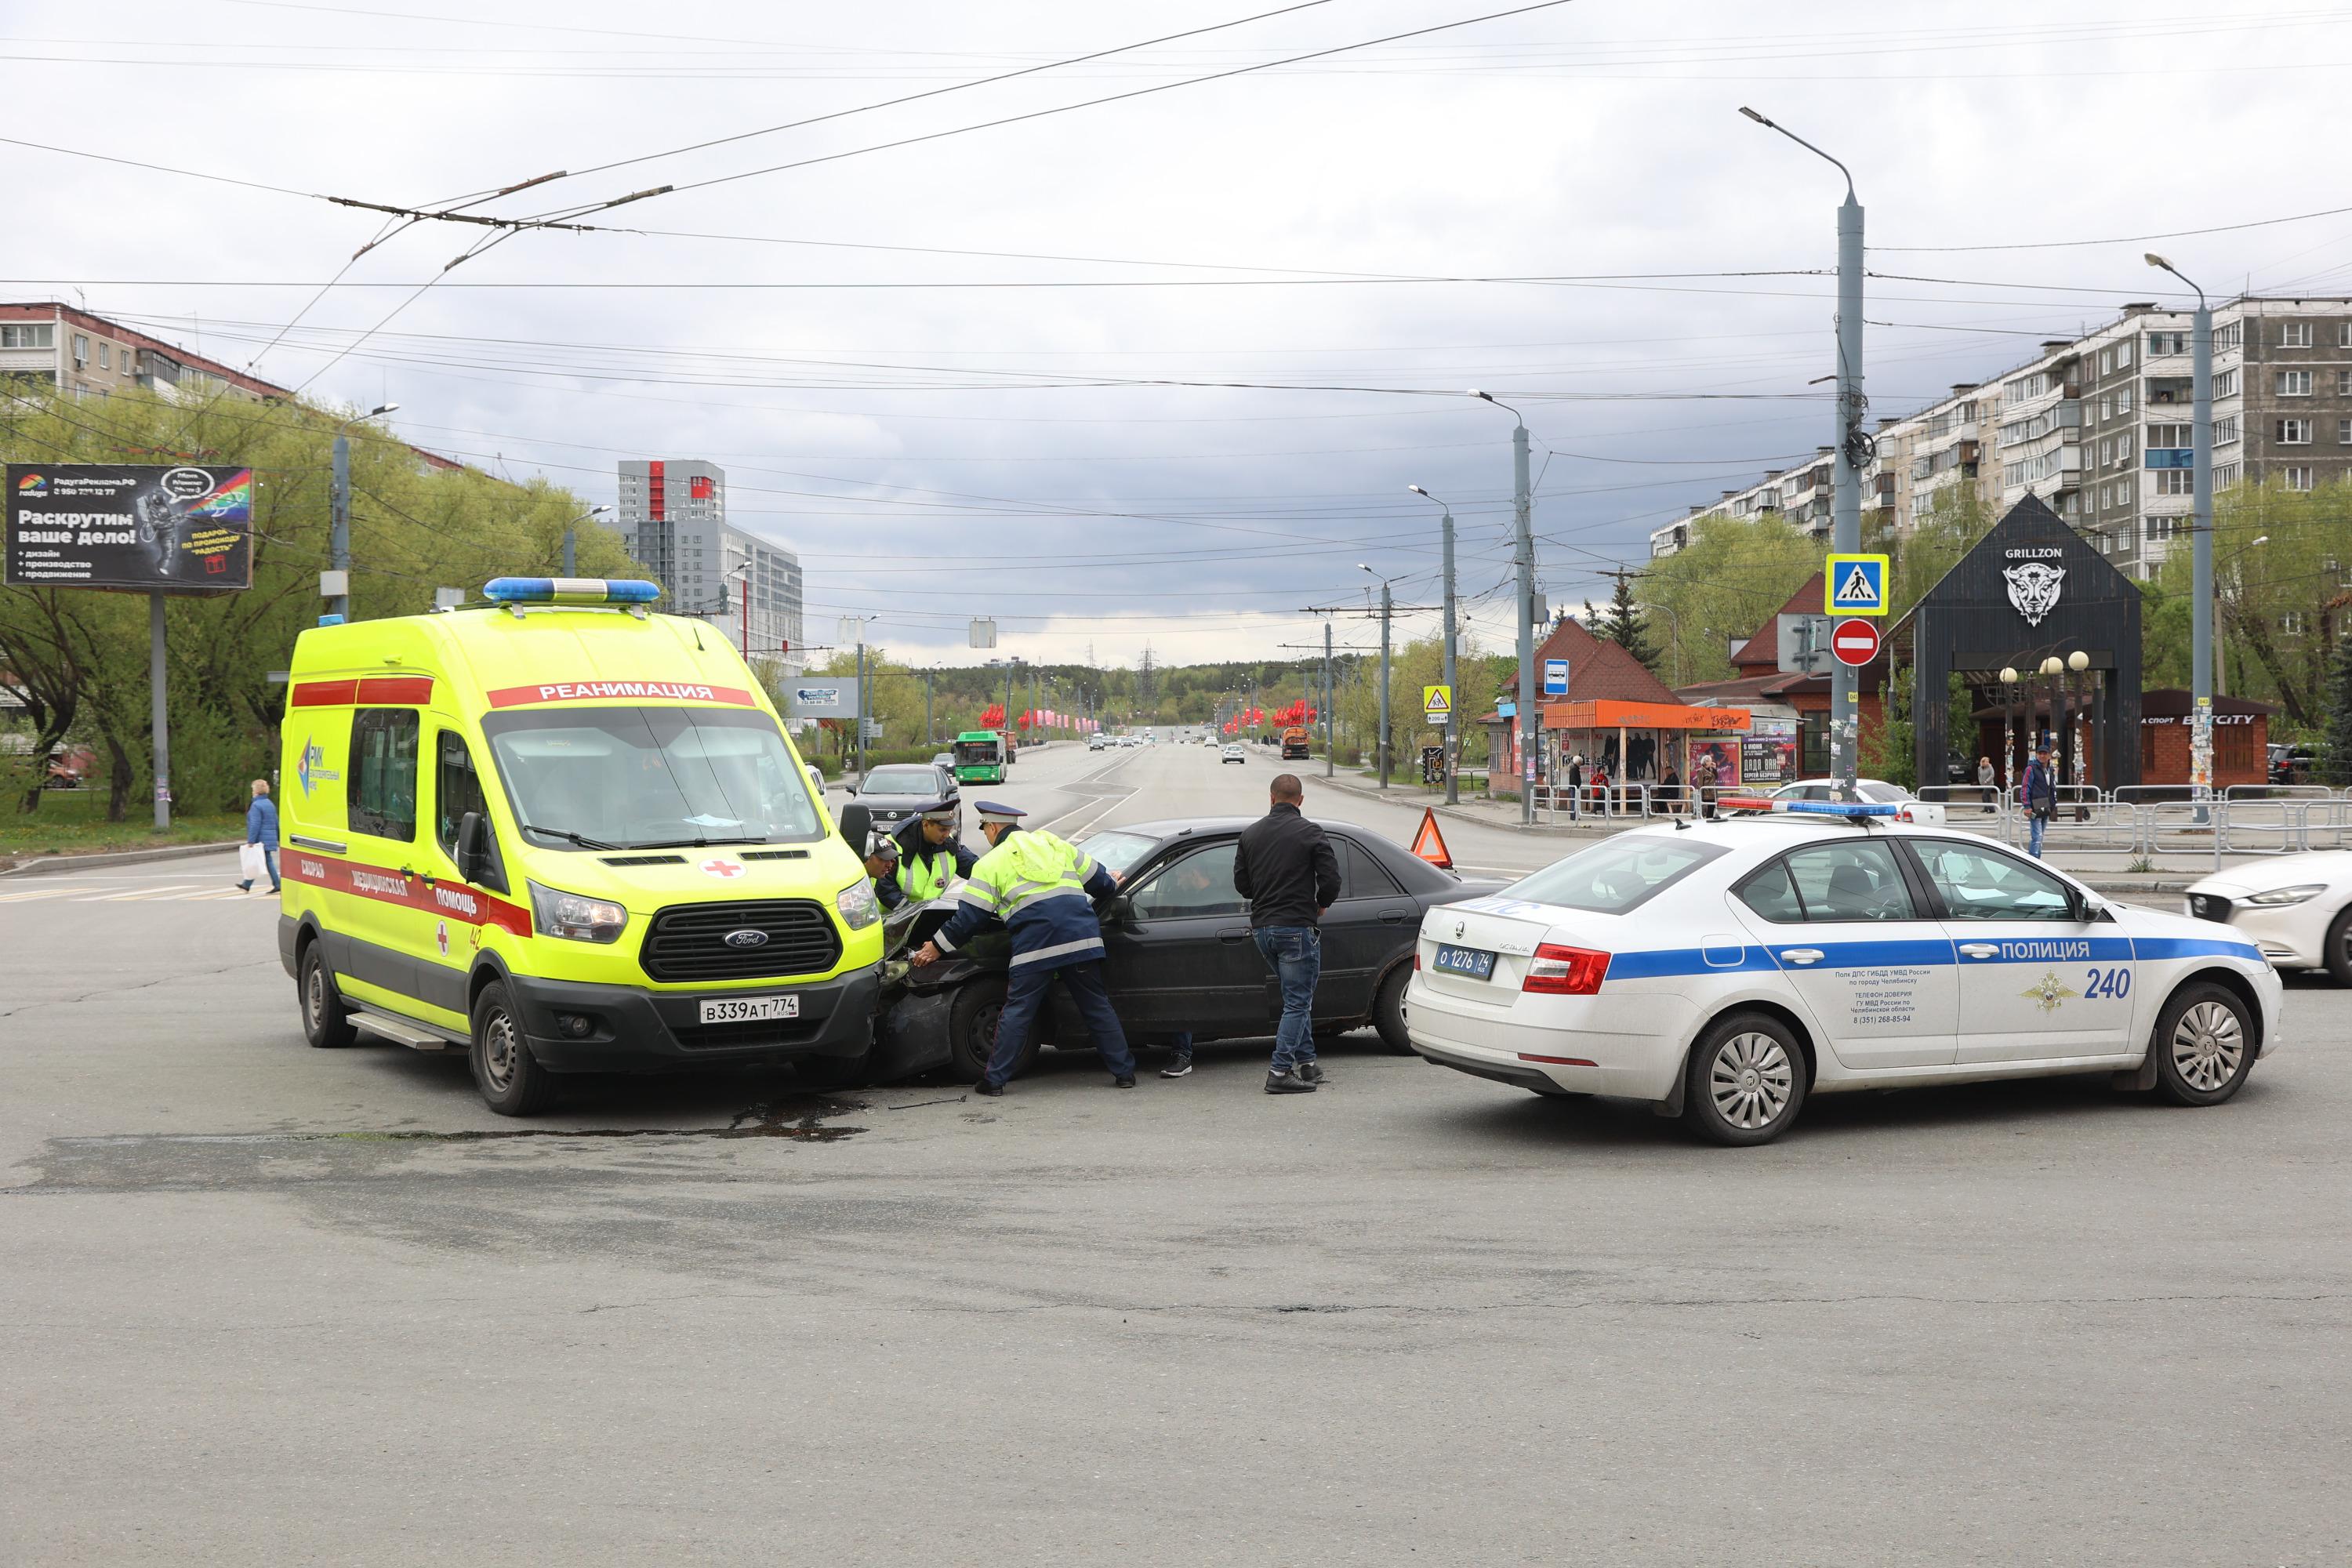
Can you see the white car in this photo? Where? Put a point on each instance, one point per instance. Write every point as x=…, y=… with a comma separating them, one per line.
x=1233, y=754
x=2297, y=908
x=1724, y=971
x=1875, y=791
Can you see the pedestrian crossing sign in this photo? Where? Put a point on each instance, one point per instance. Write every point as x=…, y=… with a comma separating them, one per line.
x=1857, y=584
x=1437, y=702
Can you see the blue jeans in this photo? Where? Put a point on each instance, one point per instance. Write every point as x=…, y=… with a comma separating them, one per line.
x=2035, y=823
x=1295, y=953
x=269, y=855
x=1024, y=998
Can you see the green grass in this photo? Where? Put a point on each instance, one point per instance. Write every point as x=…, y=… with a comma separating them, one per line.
x=73, y=821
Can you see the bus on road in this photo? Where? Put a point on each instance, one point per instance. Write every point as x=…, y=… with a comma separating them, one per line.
x=980, y=757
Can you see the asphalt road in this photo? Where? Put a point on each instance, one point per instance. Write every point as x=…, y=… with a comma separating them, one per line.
x=260, y=1302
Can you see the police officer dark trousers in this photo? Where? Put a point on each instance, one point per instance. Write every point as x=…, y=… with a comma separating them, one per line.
x=1044, y=892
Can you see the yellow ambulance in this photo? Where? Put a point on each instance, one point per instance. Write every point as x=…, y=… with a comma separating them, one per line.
x=564, y=834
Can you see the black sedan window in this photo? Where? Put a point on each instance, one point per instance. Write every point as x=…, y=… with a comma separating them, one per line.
x=1200, y=883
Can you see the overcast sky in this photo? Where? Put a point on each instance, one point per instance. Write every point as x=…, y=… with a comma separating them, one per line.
x=935, y=450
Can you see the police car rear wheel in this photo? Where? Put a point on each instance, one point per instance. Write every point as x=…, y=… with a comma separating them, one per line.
x=1745, y=1081
x=2203, y=1046
x=325, y=1024
x=511, y=1079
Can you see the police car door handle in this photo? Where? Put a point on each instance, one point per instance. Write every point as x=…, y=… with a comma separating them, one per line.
x=1981, y=949
x=1804, y=954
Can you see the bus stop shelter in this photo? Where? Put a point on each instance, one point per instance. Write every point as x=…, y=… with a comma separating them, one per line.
x=1637, y=742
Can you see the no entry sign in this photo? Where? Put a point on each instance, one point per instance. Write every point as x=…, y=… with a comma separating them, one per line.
x=1855, y=642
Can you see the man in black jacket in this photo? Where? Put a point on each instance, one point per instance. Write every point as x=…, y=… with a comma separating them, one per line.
x=1285, y=867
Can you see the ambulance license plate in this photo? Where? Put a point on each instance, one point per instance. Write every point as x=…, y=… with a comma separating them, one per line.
x=1469, y=961
x=749, y=1009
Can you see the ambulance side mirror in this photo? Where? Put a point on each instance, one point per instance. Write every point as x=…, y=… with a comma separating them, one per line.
x=473, y=846
x=857, y=826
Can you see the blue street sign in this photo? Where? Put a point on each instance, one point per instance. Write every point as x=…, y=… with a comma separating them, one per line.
x=1555, y=677
x=1857, y=584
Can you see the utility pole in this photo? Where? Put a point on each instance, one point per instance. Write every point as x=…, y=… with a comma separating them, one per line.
x=1523, y=557
x=2200, y=527
x=1327, y=699
x=1852, y=452
x=339, y=545
x=157, y=712
x=1453, y=736
x=930, y=736
x=863, y=707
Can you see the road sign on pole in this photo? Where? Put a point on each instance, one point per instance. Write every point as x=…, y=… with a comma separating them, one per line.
x=1856, y=642
x=1555, y=676
x=1437, y=702
x=1857, y=586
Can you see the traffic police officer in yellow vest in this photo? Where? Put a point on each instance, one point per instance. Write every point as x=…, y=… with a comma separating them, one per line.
x=1045, y=892
x=928, y=856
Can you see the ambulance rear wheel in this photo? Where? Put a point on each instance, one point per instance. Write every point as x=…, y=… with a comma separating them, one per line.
x=325, y=1024
x=511, y=1079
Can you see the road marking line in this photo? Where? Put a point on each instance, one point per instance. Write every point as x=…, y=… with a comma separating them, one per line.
x=138, y=894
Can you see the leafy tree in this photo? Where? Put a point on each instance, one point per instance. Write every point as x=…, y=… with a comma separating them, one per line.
x=1735, y=573
x=2335, y=758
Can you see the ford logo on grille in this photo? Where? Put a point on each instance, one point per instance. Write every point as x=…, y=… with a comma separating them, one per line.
x=747, y=939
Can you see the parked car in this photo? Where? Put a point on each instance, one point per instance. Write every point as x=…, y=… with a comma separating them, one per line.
x=1177, y=950
x=1875, y=791
x=890, y=795
x=2297, y=908
x=2290, y=764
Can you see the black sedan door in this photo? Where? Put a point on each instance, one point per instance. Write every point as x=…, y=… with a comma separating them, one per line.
x=1370, y=927
x=1185, y=959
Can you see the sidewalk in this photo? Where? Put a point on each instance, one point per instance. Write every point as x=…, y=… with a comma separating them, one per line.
x=2103, y=872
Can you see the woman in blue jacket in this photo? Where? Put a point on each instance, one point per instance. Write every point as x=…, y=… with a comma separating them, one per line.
x=261, y=827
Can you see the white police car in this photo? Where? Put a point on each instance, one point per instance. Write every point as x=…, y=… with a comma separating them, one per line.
x=1724, y=971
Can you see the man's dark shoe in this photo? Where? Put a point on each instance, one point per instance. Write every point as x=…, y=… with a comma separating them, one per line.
x=1127, y=1082
x=1288, y=1083
x=1180, y=1068
x=984, y=1087
x=1311, y=1071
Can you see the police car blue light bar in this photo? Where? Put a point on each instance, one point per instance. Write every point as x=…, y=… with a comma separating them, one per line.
x=571, y=591
x=1808, y=807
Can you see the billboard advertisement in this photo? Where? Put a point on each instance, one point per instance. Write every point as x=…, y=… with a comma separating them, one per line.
x=183, y=529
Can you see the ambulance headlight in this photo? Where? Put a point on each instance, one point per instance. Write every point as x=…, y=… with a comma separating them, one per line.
x=858, y=906
x=574, y=916
x=2279, y=897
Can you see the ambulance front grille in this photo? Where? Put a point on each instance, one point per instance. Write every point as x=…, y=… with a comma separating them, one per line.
x=688, y=942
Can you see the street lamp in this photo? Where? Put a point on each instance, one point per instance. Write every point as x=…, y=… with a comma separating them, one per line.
x=571, y=550
x=2009, y=679
x=1524, y=555
x=1853, y=445
x=1387, y=604
x=339, y=535
x=1453, y=698
x=2200, y=527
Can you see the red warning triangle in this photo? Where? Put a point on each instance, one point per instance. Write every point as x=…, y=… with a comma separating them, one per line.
x=1430, y=844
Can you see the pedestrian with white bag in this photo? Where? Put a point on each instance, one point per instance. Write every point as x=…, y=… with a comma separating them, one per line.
x=259, y=856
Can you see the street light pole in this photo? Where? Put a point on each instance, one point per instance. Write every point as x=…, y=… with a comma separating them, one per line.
x=339, y=544
x=1846, y=506
x=572, y=541
x=2200, y=528
x=1524, y=553
x=1452, y=732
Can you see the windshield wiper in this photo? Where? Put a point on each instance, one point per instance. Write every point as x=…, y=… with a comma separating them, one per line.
x=699, y=843
x=584, y=843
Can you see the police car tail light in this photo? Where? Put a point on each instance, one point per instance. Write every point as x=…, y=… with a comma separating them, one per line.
x=1560, y=971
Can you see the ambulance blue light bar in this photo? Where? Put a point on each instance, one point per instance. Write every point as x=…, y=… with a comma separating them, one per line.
x=570, y=591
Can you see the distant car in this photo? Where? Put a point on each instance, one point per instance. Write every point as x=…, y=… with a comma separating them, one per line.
x=1097, y=743
x=890, y=795
x=2290, y=764
x=816, y=778
x=1233, y=754
x=1876, y=791
x=943, y=759
x=2297, y=908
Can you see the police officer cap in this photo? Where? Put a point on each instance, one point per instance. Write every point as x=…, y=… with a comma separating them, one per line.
x=941, y=810
x=1006, y=816
x=882, y=848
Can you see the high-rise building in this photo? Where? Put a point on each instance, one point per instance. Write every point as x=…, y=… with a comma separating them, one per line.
x=2099, y=427
x=673, y=520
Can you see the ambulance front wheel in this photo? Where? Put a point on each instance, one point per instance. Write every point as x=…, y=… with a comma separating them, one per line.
x=511, y=1079
x=325, y=1024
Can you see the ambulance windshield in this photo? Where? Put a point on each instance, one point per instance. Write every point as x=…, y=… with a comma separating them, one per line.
x=633, y=778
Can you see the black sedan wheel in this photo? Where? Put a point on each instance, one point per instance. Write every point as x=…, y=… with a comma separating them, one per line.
x=1387, y=1011
x=972, y=1030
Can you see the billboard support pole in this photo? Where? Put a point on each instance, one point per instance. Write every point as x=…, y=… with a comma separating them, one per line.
x=155, y=678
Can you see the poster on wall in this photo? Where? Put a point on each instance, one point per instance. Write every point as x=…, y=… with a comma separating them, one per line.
x=182, y=528
x=1723, y=751
x=1767, y=753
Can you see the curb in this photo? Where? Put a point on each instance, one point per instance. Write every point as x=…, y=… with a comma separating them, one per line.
x=51, y=863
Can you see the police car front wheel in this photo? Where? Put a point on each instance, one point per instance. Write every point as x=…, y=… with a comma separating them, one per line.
x=511, y=1079
x=1745, y=1081
x=2204, y=1046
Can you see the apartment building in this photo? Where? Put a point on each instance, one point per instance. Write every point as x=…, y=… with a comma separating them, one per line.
x=2099, y=426
x=44, y=344
x=672, y=514
x=1799, y=496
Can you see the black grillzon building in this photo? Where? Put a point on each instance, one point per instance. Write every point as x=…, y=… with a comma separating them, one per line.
x=2031, y=590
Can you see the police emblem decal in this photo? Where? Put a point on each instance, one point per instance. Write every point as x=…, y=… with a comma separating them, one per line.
x=2049, y=992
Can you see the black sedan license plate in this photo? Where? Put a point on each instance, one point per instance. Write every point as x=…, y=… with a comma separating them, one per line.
x=1469, y=961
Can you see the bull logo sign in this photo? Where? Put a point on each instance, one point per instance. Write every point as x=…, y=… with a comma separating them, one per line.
x=2033, y=589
